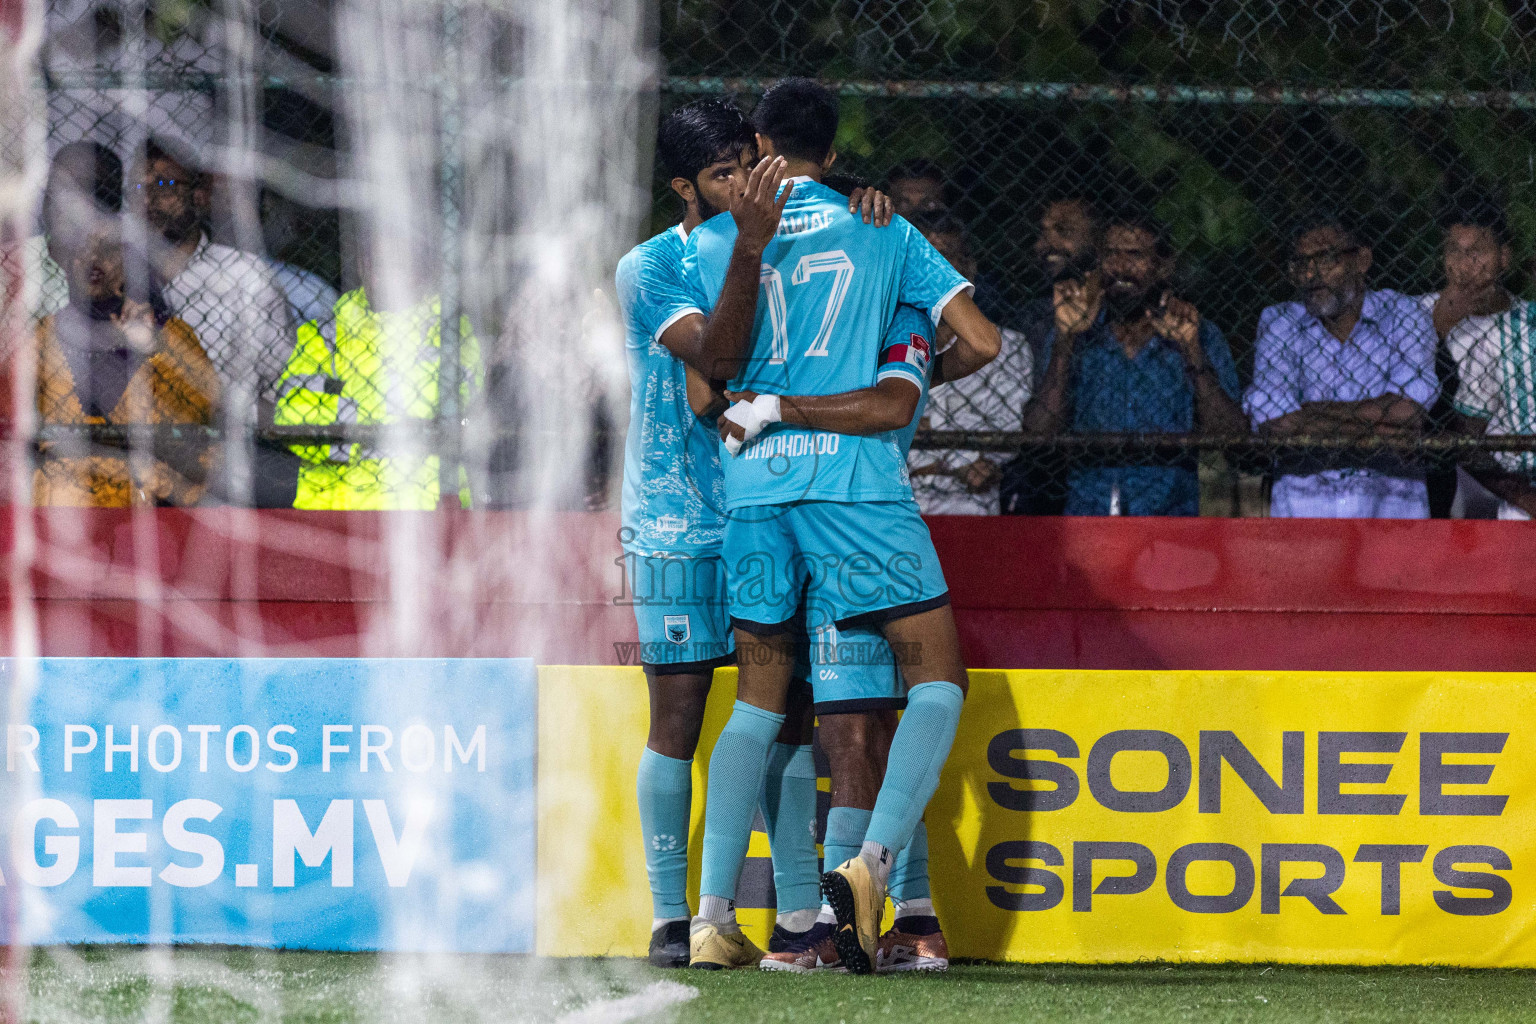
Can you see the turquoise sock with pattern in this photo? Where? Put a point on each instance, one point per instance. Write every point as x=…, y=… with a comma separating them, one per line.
x=789, y=809
x=918, y=752
x=665, y=787
x=736, y=770
x=909, y=876
x=845, y=834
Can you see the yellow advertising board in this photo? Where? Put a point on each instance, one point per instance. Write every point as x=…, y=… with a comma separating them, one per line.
x=1117, y=816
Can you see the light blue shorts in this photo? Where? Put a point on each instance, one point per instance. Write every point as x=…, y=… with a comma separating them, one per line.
x=846, y=564
x=680, y=609
x=851, y=671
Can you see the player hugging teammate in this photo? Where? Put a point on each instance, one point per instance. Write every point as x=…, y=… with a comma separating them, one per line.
x=797, y=524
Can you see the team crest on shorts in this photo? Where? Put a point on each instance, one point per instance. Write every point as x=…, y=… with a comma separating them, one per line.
x=677, y=628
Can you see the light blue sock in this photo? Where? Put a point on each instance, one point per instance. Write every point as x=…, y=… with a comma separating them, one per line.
x=909, y=876
x=918, y=752
x=789, y=809
x=845, y=834
x=665, y=786
x=736, y=770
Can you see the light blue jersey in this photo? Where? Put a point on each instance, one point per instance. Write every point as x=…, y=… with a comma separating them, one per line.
x=854, y=670
x=830, y=286
x=674, y=492
x=908, y=340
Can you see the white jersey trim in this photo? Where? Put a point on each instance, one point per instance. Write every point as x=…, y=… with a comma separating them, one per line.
x=909, y=375
x=674, y=318
x=938, y=309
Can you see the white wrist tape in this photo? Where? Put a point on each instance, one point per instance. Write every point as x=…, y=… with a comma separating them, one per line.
x=751, y=417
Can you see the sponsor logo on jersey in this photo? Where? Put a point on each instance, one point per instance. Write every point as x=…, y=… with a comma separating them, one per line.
x=792, y=444
x=677, y=628
x=671, y=524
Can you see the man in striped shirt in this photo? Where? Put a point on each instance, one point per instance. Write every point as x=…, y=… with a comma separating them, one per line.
x=1498, y=396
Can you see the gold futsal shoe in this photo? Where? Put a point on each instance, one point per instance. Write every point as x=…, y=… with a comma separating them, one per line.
x=858, y=900
x=913, y=944
x=710, y=949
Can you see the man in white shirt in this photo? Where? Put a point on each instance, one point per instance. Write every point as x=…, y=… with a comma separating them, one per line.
x=1469, y=322
x=225, y=295
x=965, y=483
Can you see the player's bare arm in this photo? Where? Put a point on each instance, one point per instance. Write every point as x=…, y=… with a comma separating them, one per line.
x=705, y=397
x=889, y=405
x=716, y=344
x=977, y=340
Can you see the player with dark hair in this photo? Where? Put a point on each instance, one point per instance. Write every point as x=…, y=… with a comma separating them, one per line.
x=800, y=496
x=673, y=494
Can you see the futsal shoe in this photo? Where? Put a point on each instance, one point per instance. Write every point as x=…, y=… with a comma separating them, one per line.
x=858, y=900
x=913, y=944
x=710, y=949
x=802, y=952
x=669, y=945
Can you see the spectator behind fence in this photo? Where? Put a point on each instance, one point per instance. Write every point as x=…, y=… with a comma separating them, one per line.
x=917, y=186
x=226, y=296
x=957, y=482
x=1477, y=258
x=375, y=362
x=114, y=356
x=309, y=296
x=1343, y=363
x=1035, y=483
x=83, y=193
x=1126, y=356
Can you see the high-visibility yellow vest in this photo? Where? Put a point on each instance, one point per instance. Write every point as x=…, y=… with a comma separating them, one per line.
x=371, y=367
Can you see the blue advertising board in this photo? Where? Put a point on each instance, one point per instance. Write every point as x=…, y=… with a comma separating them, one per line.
x=347, y=804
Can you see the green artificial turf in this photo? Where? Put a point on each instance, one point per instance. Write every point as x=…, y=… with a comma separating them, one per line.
x=973, y=994
x=222, y=986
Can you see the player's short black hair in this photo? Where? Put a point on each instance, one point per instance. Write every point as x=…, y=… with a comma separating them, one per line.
x=103, y=166
x=844, y=183
x=1476, y=210
x=800, y=117
x=1139, y=218
x=700, y=134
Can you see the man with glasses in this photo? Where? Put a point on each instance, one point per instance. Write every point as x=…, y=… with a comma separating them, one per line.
x=1344, y=363
x=228, y=299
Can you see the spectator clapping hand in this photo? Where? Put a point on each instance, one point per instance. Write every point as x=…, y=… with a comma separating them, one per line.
x=135, y=322
x=1077, y=305
x=1179, y=322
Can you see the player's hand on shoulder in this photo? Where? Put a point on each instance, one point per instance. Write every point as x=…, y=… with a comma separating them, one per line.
x=757, y=210
x=873, y=205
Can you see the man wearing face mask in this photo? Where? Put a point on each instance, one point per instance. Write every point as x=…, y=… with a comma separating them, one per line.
x=1343, y=362
x=1126, y=356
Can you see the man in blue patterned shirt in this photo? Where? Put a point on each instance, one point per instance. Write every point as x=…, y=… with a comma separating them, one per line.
x=1125, y=356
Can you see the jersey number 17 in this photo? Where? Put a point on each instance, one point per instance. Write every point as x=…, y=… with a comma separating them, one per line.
x=835, y=262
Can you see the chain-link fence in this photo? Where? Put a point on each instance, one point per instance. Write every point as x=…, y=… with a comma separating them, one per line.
x=1152, y=162
x=1134, y=171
